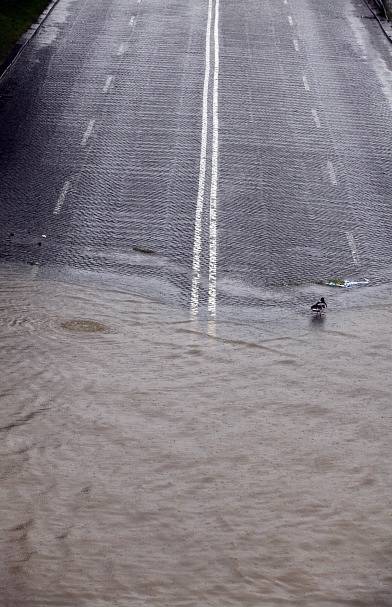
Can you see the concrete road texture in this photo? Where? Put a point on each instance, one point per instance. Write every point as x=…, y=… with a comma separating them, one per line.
x=200, y=145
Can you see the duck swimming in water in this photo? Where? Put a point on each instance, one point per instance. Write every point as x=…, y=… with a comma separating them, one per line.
x=319, y=306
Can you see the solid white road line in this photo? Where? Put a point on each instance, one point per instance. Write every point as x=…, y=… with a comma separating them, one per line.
x=290, y=20
x=214, y=173
x=331, y=173
x=306, y=83
x=316, y=118
x=88, y=132
x=61, y=199
x=353, y=247
x=296, y=45
x=197, y=242
x=108, y=83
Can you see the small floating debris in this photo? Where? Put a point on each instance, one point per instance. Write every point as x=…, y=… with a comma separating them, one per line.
x=347, y=284
x=84, y=326
x=143, y=250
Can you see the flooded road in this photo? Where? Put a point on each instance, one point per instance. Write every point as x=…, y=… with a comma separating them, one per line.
x=147, y=459
x=178, y=180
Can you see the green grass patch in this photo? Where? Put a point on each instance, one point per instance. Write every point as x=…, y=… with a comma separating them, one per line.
x=16, y=16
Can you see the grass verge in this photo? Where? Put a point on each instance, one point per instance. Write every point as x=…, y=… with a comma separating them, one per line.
x=16, y=16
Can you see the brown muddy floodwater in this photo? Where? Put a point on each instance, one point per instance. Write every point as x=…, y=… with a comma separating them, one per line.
x=147, y=460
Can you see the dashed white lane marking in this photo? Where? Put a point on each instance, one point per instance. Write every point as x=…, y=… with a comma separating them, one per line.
x=121, y=50
x=214, y=173
x=108, y=83
x=353, y=247
x=306, y=83
x=197, y=242
x=290, y=20
x=132, y=21
x=296, y=45
x=332, y=173
x=61, y=199
x=34, y=270
x=316, y=118
x=88, y=132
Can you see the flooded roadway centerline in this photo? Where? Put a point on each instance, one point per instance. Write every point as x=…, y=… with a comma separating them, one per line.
x=212, y=30
x=214, y=176
x=197, y=242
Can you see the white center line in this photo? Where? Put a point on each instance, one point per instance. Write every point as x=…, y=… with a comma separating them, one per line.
x=353, y=247
x=331, y=173
x=214, y=174
x=88, y=132
x=61, y=199
x=197, y=242
x=108, y=82
x=290, y=20
x=296, y=45
x=316, y=117
x=306, y=83
x=121, y=50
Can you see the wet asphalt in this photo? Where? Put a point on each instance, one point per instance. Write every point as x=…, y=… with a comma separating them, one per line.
x=101, y=135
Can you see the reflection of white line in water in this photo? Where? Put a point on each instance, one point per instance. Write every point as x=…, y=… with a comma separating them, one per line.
x=316, y=118
x=331, y=173
x=202, y=174
x=306, y=83
x=296, y=45
x=353, y=247
x=88, y=132
x=211, y=328
x=108, y=82
x=132, y=21
x=34, y=271
x=61, y=199
x=214, y=174
x=290, y=20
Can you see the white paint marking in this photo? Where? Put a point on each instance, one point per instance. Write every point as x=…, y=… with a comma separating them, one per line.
x=296, y=45
x=306, y=83
x=197, y=242
x=132, y=21
x=61, y=198
x=214, y=173
x=35, y=270
x=316, y=118
x=88, y=132
x=353, y=247
x=108, y=83
x=331, y=173
x=290, y=20
x=121, y=50
x=284, y=1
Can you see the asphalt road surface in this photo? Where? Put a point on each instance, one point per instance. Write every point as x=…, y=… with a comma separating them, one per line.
x=204, y=149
